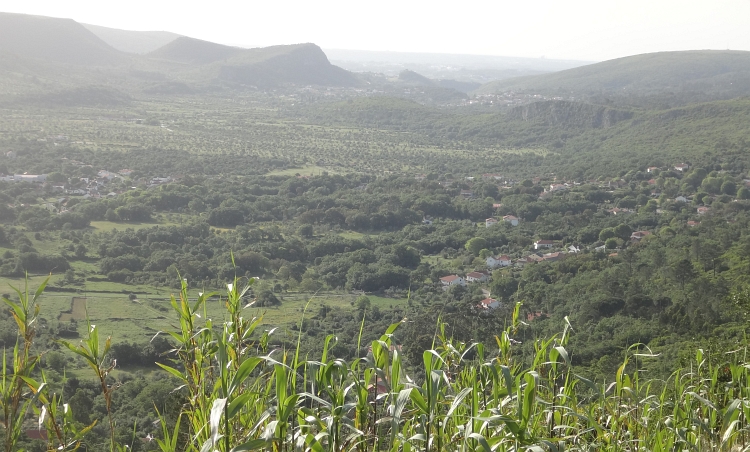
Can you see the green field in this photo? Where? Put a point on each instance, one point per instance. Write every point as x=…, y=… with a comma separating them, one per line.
x=138, y=320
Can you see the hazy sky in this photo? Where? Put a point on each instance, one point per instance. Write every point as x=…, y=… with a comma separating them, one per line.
x=573, y=29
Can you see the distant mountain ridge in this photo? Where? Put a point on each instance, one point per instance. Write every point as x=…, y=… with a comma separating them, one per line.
x=51, y=55
x=139, y=42
x=298, y=64
x=193, y=51
x=714, y=71
x=55, y=40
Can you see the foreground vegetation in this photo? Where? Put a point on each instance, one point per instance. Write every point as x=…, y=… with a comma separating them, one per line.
x=232, y=392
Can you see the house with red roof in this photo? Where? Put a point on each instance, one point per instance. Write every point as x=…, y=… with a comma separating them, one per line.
x=477, y=277
x=488, y=303
x=498, y=261
x=553, y=257
x=452, y=280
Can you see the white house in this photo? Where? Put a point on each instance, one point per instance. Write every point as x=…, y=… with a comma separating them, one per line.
x=651, y=169
x=490, y=222
x=511, y=219
x=557, y=187
x=488, y=303
x=35, y=178
x=681, y=199
x=452, y=280
x=477, y=277
x=498, y=261
x=702, y=210
x=682, y=167
x=539, y=244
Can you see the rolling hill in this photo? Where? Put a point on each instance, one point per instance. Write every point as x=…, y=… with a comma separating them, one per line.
x=300, y=64
x=193, y=51
x=718, y=74
x=140, y=42
x=571, y=139
x=55, y=40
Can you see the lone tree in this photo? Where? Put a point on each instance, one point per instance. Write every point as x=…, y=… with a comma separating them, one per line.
x=683, y=271
x=475, y=245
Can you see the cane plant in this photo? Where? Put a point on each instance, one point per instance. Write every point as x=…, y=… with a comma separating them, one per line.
x=241, y=394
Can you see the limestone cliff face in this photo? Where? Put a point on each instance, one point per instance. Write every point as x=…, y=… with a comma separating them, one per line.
x=558, y=112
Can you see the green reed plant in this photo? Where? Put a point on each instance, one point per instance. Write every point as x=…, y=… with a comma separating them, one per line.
x=16, y=397
x=240, y=395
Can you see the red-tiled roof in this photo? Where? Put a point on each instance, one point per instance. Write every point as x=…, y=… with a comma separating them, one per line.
x=487, y=302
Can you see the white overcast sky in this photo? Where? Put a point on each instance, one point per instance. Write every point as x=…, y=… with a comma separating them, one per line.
x=573, y=29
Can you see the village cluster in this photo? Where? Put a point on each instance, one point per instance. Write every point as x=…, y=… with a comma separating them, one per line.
x=542, y=247
x=104, y=184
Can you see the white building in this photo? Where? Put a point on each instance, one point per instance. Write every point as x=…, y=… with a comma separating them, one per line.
x=33, y=178
x=539, y=244
x=452, y=280
x=498, y=261
x=511, y=219
x=489, y=303
x=476, y=277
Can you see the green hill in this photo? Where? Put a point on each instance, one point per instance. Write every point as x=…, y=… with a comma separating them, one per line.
x=706, y=73
x=300, y=64
x=193, y=51
x=577, y=139
x=208, y=62
x=54, y=40
x=140, y=42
